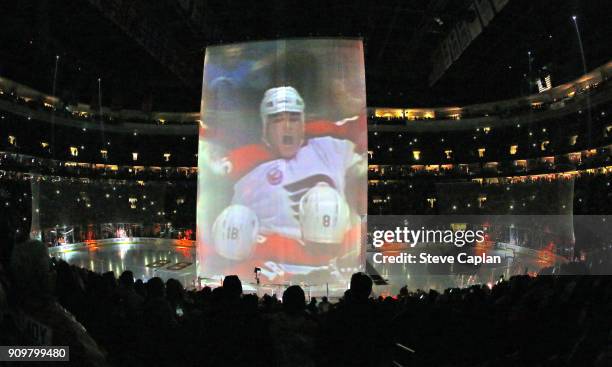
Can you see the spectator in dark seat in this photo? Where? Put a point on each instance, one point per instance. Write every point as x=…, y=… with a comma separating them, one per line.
x=293, y=331
x=132, y=301
x=70, y=289
x=237, y=336
x=312, y=306
x=361, y=288
x=354, y=332
x=157, y=312
x=175, y=296
x=139, y=287
x=159, y=323
x=232, y=286
x=324, y=306
x=33, y=282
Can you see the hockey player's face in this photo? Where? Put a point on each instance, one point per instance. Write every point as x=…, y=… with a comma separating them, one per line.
x=285, y=133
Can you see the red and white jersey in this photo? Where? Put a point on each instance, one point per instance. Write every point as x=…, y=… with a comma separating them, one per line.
x=273, y=189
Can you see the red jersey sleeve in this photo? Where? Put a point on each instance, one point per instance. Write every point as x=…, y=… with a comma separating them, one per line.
x=352, y=128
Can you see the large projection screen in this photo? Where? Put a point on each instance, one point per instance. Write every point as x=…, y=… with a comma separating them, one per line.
x=282, y=174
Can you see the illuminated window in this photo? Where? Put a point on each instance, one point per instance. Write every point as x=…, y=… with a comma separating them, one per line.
x=431, y=202
x=572, y=139
x=167, y=157
x=104, y=153
x=389, y=113
x=416, y=154
x=134, y=156
x=481, y=152
x=429, y=115
x=448, y=153
x=44, y=144
x=544, y=145
x=12, y=140
x=74, y=151
x=522, y=163
x=543, y=86
x=513, y=149
x=574, y=157
x=481, y=200
x=133, y=202
x=486, y=129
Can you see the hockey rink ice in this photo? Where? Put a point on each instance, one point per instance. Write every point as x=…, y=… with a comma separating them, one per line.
x=166, y=259
x=514, y=261
x=146, y=259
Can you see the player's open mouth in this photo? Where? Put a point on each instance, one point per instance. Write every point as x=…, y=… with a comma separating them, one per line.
x=287, y=139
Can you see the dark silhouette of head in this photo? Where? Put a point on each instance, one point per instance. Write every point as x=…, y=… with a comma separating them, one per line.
x=403, y=291
x=294, y=300
x=139, y=287
x=217, y=295
x=361, y=287
x=155, y=288
x=206, y=291
x=174, y=290
x=127, y=279
x=232, y=287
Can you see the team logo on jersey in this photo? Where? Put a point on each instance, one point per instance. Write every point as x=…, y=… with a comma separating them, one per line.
x=275, y=176
x=299, y=188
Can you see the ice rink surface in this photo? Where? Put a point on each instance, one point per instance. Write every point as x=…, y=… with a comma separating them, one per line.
x=168, y=259
x=145, y=260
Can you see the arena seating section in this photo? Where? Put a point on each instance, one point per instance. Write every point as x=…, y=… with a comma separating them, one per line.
x=152, y=323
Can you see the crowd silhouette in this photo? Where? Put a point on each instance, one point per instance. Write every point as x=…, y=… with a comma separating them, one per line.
x=522, y=321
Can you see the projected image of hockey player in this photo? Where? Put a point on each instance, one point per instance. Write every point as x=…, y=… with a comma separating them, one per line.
x=297, y=192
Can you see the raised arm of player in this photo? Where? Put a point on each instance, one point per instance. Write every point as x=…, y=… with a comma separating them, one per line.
x=352, y=128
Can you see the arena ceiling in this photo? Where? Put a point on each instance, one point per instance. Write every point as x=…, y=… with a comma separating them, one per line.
x=149, y=54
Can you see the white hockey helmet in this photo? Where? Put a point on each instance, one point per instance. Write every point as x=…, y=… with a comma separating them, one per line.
x=235, y=232
x=324, y=215
x=280, y=99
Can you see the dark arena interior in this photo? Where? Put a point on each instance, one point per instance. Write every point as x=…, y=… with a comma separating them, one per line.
x=491, y=115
